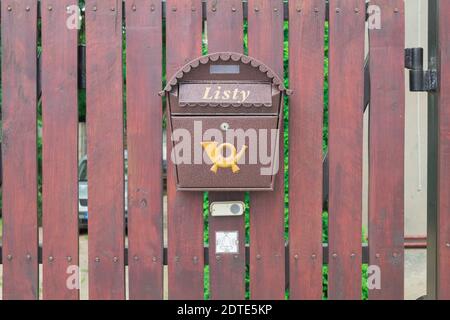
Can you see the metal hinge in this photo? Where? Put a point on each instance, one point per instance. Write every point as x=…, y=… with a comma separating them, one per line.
x=419, y=80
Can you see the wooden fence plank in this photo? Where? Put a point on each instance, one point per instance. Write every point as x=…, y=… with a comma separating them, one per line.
x=346, y=97
x=144, y=141
x=20, y=229
x=386, y=150
x=443, y=222
x=105, y=149
x=184, y=209
x=227, y=272
x=225, y=26
x=60, y=150
x=306, y=51
x=267, y=265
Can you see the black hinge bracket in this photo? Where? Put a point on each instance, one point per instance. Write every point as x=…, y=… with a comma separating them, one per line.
x=419, y=80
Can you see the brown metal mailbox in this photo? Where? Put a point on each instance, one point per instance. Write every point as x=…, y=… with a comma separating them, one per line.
x=225, y=112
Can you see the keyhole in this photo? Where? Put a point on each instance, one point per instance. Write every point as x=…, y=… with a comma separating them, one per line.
x=225, y=126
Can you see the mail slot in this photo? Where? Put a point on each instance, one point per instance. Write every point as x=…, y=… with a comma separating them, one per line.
x=225, y=114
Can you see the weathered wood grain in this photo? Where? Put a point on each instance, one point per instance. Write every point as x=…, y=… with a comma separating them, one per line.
x=386, y=150
x=306, y=51
x=19, y=152
x=267, y=256
x=144, y=141
x=105, y=149
x=346, y=97
x=60, y=148
x=227, y=272
x=184, y=209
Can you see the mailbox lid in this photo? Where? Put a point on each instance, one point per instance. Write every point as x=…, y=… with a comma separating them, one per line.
x=236, y=75
x=224, y=66
x=199, y=177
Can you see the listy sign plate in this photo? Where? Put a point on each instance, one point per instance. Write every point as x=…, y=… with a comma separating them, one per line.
x=230, y=93
x=227, y=242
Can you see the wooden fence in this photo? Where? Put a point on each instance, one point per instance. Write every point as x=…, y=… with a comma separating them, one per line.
x=277, y=264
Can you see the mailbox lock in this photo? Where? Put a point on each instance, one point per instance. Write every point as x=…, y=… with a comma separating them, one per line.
x=225, y=126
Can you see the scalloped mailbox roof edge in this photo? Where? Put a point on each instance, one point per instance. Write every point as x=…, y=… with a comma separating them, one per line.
x=226, y=56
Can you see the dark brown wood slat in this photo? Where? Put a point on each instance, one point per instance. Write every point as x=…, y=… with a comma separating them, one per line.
x=443, y=221
x=346, y=96
x=386, y=149
x=227, y=271
x=184, y=209
x=225, y=26
x=306, y=51
x=144, y=139
x=60, y=148
x=267, y=265
x=19, y=76
x=105, y=149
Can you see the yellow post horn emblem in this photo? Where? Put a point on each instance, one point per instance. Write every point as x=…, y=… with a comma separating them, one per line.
x=214, y=152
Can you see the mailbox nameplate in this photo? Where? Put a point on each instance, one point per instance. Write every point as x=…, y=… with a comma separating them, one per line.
x=226, y=94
